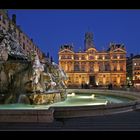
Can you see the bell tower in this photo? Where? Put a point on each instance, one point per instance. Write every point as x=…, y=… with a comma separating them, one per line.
x=88, y=42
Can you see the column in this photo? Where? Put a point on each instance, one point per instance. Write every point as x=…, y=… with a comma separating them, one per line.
x=66, y=66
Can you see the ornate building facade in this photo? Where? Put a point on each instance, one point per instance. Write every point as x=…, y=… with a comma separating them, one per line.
x=133, y=70
x=25, y=41
x=94, y=67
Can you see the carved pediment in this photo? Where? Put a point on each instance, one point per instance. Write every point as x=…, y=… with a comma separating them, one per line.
x=119, y=50
x=90, y=49
x=65, y=51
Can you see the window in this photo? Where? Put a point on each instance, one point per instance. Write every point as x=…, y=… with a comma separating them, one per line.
x=82, y=68
x=83, y=63
x=24, y=37
x=83, y=57
x=63, y=57
x=91, y=57
x=76, y=57
x=122, y=56
x=76, y=68
x=106, y=57
x=107, y=67
x=121, y=68
x=68, y=57
x=24, y=46
x=114, y=56
x=76, y=63
x=91, y=68
x=100, y=57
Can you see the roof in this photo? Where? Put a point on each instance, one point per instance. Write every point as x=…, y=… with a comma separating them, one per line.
x=136, y=56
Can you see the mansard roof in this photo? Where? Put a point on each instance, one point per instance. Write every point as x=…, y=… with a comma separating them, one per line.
x=66, y=46
x=116, y=47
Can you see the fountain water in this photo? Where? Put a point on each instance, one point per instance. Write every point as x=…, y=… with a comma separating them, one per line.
x=71, y=95
x=92, y=96
x=23, y=99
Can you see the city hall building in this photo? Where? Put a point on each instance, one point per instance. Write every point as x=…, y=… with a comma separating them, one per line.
x=93, y=67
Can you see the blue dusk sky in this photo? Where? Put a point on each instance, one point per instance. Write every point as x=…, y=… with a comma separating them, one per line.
x=52, y=28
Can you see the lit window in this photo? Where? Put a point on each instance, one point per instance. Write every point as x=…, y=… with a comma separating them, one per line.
x=83, y=57
x=76, y=57
x=135, y=64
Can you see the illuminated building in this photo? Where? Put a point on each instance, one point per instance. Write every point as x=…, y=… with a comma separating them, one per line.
x=133, y=70
x=93, y=67
x=26, y=43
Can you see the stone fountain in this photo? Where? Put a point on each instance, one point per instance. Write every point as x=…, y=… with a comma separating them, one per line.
x=25, y=78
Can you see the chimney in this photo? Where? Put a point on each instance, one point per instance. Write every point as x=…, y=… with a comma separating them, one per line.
x=14, y=18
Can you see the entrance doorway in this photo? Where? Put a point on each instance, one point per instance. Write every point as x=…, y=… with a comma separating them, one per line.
x=92, y=80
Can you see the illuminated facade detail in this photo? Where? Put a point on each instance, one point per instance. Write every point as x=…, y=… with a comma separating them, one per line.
x=94, y=67
x=26, y=43
x=133, y=70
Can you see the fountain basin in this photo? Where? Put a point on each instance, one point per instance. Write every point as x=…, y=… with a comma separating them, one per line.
x=26, y=115
x=75, y=106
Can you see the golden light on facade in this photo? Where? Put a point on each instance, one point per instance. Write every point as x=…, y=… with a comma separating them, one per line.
x=96, y=57
x=97, y=83
x=99, y=68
